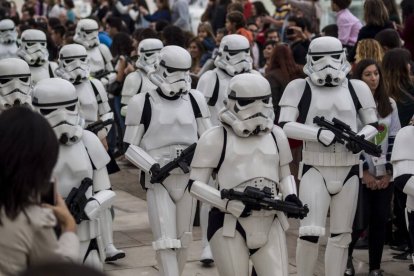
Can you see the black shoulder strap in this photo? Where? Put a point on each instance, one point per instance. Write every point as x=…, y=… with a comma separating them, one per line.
x=96, y=92
x=304, y=103
x=274, y=138
x=51, y=75
x=354, y=96
x=223, y=150
x=146, y=112
x=196, y=108
x=103, y=57
x=140, y=86
x=213, y=100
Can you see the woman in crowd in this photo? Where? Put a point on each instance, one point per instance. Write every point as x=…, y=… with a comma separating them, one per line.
x=369, y=49
x=196, y=50
x=267, y=54
x=283, y=69
x=376, y=190
x=29, y=151
x=376, y=19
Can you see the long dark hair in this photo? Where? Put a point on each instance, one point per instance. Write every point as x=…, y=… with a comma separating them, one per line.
x=121, y=45
x=28, y=150
x=282, y=58
x=396, y=76
x=380, y=96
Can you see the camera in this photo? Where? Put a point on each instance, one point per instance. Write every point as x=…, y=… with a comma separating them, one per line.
x=290, y=31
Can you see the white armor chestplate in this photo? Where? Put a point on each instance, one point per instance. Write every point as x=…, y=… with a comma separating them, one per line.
x=224, y=80
x=8, y=50
x=72, y=167
x=172, y=123
x=334, y=102
x=88, y=103
x=251, y=161
x=40, y=73
x=95, y=60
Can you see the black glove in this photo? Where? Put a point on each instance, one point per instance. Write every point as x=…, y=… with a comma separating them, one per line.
x=294, y=199
x=246, y=212
x=154, y=171
x=354, y=147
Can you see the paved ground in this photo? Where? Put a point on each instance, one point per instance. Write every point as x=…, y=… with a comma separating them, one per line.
x=132, y=233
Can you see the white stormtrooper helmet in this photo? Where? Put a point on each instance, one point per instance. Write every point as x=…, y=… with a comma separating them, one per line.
x=57, y=101
x=234, y=55
x=172, y=71
x=8, y=33
x=73, y=63
x=326, y=62
x=148, y=51
x=14, y=83
x=87, y=33
x=249, y=108
x=33, y=48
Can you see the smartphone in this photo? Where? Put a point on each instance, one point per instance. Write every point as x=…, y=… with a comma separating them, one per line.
x=49, y=196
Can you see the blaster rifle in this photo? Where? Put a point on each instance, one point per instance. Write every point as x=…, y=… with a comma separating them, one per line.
x=343, y=133
x=257, y=199
x=76, y=200
x=98, y=125
x=158, y=175
x=100, y=74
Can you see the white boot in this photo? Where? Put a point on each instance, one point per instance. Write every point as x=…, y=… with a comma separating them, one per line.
x=111, y=252
x=206, y=256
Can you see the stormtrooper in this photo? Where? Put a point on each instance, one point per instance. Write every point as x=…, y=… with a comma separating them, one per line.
x=160, y=124
x=81, y=166
x=329, y=171
x=8, y=39
x=233, y=58
x=15, y=85
x=33, y=50
x=135, y=82
x=402, y=159
x=100, y=57
x=93, y=99
x=247, y=151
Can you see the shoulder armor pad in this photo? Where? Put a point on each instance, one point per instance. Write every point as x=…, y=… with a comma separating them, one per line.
x=53, y=66
x=206, y=83
x=135, y=108
x=363, y=93
x=285, y=155
x=402, y=149
x=97, y=153
x=293, y=93
x=209, y=148
x=201, y=103
x=131, y=85
x=106, y=53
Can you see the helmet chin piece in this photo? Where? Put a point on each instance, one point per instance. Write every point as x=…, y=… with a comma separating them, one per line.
x=68, y=134
x=258, y=124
